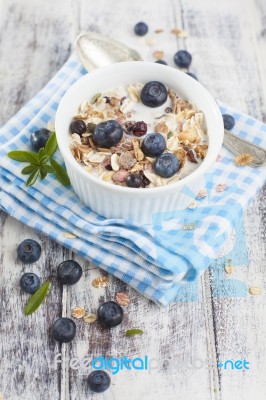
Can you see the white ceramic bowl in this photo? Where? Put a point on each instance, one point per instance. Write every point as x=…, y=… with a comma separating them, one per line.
x=112, y=201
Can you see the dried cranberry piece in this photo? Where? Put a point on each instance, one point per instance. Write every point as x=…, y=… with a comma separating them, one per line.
x=139, y=128
x=145, y=180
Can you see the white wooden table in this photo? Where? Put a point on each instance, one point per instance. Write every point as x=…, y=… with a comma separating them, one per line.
x=228, y=42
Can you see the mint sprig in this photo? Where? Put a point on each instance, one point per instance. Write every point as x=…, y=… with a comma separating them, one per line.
x=40, y=164
x=37, y=298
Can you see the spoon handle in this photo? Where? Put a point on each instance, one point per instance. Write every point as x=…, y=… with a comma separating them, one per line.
x=239, y=146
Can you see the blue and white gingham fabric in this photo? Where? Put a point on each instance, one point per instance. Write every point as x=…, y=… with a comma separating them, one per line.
x=153, y=258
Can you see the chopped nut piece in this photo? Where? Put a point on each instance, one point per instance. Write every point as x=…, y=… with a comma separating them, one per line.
x=161, y=127
x=255, y=290
x=78, y=312
x=201, y=150
x=158, y=54
x=101, y=281
x=90, y=318
x=126, y=160
x=243, y=159
x=122, y=299
x=221, y=187
x=202, y=193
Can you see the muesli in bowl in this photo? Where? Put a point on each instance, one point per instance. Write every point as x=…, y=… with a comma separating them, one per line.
x=141, y=135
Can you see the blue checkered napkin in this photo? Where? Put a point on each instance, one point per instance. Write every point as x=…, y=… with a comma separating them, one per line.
x=153, y=258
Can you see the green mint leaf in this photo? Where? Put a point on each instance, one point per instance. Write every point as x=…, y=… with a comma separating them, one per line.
x=47, y=168
x=60, y=173
x=51, y=145
x=37, y=298
x=33, y=177
x=17, y=155
x=44, y=160
x=43, y=173
x=132, y=332
x=41, y=153
x=29, y=169
x=31, y=157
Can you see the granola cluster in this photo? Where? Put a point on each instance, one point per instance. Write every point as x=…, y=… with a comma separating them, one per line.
x=178, y=120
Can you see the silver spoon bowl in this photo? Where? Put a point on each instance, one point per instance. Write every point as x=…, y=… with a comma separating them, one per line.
x=95, y=51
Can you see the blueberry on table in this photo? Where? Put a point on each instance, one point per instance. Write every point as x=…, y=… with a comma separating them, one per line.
x=153, y=145
x=182, y=59
x=110, y=314
x=153, y=94
x=141, y=29
x=134, y=181
x=107, y=134
x=139, y=128
x=192, y=75
x=29, y=251
x=166, y=165
x=39, y=138
x=63, y=330
x=161, y=62
x=78, y=126
x=99, y=381
x=229, y=121
x=29, y=282
x=69, y=272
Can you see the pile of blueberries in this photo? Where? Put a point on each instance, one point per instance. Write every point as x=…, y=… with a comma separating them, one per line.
x=69, y=272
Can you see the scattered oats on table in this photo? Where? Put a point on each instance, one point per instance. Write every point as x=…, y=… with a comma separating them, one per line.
x=78, y=312
x=221, y=187
x=122, y=299
x=69, y=235
x=243, y=159
x=255, y=290
x=202, y=193
x=101, y=281
x=158, y=54
x=90, y=318
x=229, y=269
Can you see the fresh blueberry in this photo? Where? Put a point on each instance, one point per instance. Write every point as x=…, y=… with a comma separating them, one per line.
x=29, y=282
x=166, y=165
x=69, y=272
x=229, y=121
x=182, y=59
x=134, y=181
x=29, y=251
x=107, y=134
x=63, y=330
x=141, y=29
x=110, y=314
x=161, y=62
x=39, y=138
x=153, y=94
x=153, y=145
x=99, y=381
x=192, y=75
x=78, y=126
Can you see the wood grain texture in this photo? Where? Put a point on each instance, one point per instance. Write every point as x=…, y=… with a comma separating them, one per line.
x=228, y=44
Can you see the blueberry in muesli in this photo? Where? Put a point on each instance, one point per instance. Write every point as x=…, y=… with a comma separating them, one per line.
x=63, y=330
x=110, y=314
x=99, y=381
x=69, y=272
x=229, y=121
x=107, y=134
x=141, y=28
x=29, y=251
x=153, y=94
x=153, y=145
x=39, y=138
x=29, y=282
x=134, y=181
x=166, y=165
x=78, y=126
x=183, y=59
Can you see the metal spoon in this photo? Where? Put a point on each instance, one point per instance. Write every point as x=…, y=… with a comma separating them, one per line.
x=97, y=51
